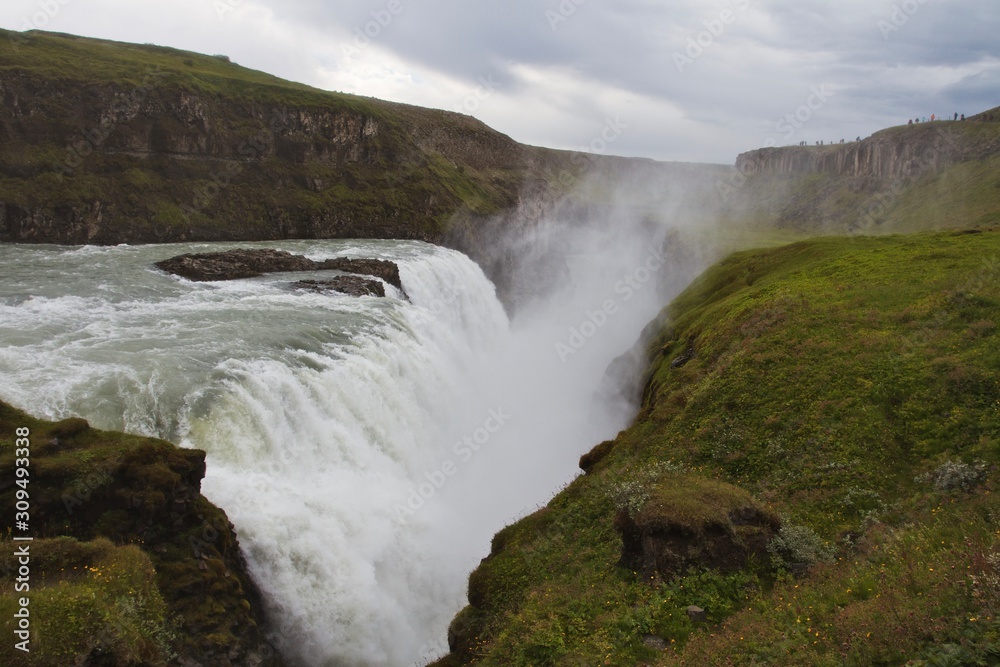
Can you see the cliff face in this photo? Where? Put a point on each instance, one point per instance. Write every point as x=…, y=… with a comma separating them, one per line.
x=108, y=143
x=894, y=153
x=104, y=143
x=902, y=179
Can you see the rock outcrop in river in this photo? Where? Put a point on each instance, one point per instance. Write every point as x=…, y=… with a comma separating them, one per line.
x=252, y=262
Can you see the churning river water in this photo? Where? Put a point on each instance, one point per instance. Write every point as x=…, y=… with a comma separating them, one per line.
x=365, y=448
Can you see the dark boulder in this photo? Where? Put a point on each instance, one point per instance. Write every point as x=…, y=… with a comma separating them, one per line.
x=380, y=268
x=253, y=262
x=235, y=264
x=351, y=285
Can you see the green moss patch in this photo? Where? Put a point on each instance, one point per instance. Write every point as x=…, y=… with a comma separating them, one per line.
x=89, y=601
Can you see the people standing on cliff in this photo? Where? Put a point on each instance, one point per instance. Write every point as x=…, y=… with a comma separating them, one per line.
x=932, y=117
x=910, y=122
x=963, y=116
x=956, y=116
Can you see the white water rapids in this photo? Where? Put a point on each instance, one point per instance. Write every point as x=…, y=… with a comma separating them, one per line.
x=366, y=449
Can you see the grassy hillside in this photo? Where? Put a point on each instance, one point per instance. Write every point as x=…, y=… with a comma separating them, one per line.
x=170, y=144
x=963, y=195
x=61, y=56
x=846, y=387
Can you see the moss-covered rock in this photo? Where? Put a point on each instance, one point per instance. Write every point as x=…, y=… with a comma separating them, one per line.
x=589, y=460
x=100, y=497
x=691, y=521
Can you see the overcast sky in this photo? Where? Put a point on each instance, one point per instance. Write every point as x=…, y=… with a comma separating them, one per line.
x=693, y=80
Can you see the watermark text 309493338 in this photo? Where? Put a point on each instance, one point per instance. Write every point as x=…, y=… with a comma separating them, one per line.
x=22, y=537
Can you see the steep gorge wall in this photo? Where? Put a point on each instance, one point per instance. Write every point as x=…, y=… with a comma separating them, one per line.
x=146, y=119
x=104, y=143
x=890, y=154
x=87, y=163
x=903, y=179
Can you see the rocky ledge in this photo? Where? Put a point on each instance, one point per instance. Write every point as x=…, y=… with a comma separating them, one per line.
x=250, y=263
x=132, y=564
x=380, y=268
x=351, y=285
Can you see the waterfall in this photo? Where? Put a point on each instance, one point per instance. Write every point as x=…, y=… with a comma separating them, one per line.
x=312, y=461
x=366, y=449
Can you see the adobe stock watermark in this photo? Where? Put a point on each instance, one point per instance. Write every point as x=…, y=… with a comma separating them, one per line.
x=785, y=128
x=562, y=13
x=249, y=150
x=986, y=275
x=124, y=107
x=82, y=490
x=203, y=544
x=373, y=29
x=794, y=121
x=609, y=134
x=278, y=466
x=883, y=200
x=464, y=450
x=484, y=91
x=613, y=129
x=445, y=298
x=626, y=288
x=899, y=16
x=714, y=28
x=223, y=7
x=429, y=652
x=47, y=10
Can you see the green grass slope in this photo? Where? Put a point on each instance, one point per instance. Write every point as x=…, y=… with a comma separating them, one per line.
x=94, y=599
x=850, y=387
